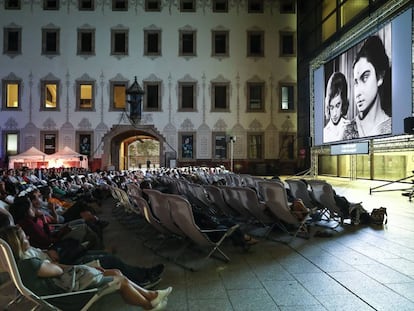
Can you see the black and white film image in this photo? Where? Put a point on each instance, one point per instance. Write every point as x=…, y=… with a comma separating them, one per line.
x=357, y=100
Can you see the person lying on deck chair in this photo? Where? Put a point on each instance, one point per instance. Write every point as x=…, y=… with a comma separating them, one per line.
x=145, y=277
x=40, y=274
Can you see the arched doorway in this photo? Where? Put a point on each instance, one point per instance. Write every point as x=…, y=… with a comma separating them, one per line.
x=127, y=147
x=141, y=151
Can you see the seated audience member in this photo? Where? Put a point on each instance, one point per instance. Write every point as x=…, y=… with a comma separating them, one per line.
x=79, y=228
x=297, y=207
x=38, y=273
x=68, y=250
x=11, y=182
x=5, y=219
x=67, y=212
x=3, y=192
x=34, y=223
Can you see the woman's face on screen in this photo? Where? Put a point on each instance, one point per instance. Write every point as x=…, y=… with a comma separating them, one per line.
x=365, y=84
x=335, y=109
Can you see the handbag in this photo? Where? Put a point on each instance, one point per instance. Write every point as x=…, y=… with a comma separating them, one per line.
x=78, y=277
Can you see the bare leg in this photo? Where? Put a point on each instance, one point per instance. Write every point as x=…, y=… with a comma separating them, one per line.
x=132, y=293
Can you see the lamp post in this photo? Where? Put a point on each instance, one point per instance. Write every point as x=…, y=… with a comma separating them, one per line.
x=232, y=141
x=134, y=98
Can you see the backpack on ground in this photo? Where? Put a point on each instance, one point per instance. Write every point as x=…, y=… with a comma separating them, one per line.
x=379, y=216
x=358, y=214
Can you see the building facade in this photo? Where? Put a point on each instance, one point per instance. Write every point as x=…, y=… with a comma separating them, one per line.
x=218, y=76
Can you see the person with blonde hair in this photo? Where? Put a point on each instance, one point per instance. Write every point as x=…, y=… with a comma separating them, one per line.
x=40, y=274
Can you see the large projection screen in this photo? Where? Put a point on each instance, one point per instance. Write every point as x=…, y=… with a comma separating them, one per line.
x=365, y=92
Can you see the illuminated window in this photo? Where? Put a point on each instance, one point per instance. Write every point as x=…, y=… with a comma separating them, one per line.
x=287, y=97
x=152, y=97
x=255, y=43
x=85, y=95
x=328, y=18
x=336, y=14
x=11, y=140
x=350, y=9
x=50, y=95
x=11, y=94
x=50, y=41
x=255, y=146
x=255, y=96
x=118, y=95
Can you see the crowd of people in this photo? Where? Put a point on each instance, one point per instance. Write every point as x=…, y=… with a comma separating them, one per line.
x=56, y=210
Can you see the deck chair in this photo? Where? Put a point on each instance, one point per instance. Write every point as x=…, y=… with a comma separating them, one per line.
x=249, y=201
x=52, y=302
x=216, y=197
x=275, y=198
x=154, y=242
x=161, y=210
x=251, y=181
x=197, y=195
x=145, y=210
x=300, y=190
x=233, y=199
x=133, y=188
x=324, y=195
x=126, y=212
x=182, y=215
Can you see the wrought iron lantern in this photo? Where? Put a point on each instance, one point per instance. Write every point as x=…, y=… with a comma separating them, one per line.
x=134, y=98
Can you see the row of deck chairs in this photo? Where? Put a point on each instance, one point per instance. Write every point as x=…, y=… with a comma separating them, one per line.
x=261, y=201
x=320, y=196
x=171, y=215
x=255, y=201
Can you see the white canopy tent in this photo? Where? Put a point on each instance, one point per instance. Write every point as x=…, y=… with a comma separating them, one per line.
x=67, y=158
x=32, y=158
